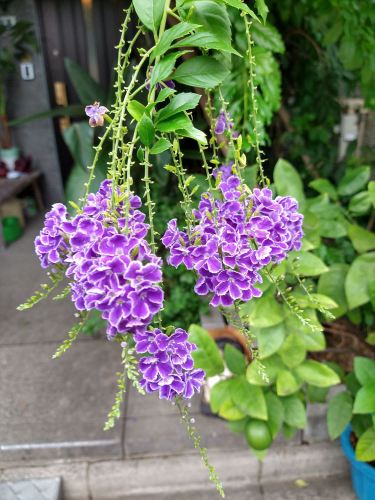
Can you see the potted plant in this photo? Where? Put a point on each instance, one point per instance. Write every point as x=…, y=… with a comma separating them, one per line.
x=16, y=44
x=351, y=415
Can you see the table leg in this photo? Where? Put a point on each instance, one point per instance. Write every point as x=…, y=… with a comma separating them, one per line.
x=38, y=195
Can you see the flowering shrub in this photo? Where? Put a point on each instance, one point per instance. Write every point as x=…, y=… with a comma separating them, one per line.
x=106, y=250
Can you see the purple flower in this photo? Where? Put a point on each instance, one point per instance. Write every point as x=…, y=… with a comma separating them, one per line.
x=50, y=245
x=169, y=367
x=223, y=123
x=96, y=114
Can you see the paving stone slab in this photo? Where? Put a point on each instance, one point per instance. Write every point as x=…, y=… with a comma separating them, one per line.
x=57, y=408
x=332, y=488
x=73, y=475
x=31, y=489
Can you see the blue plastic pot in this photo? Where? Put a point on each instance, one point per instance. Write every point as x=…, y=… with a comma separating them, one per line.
x=363, y=474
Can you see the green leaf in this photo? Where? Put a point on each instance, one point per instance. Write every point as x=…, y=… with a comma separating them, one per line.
x=324, y=186
x=365, y=399
x=364, y=369
x=87, y=89
x=220, y=393
x=270, y=339
x=160, y=146
x=75, y=185
x=264, y=311
x=307, y=264
x=365, y=449
x=249, y=398
x=146, y=131
x=79, y=138
x=269, y=367
x=163, y=69
x=193, y=133
x=167, y=38
x=354, y=180
x=294, y=412
x=313, y=340
x=181, y=102
x=293, y=350
x=212, y=18
x=316, y=373
x=164, y=94
x=268, y=37
x=360, y=275
x=234, y=359
x=288, y=182
x=136, y=110
x=289, y=431
x=178, y=121
x=332, y=284
x=201, y=71
x=339, y=413
x=370, y=339
x=262, y=9
x=207, y=356
x=73, y=110
x=150, y=12
x=286, y=383
x=230, y=411
x=239, y=5
x=317, y=394
x=275, y=411
x=206, y=40
x=314, y=300
x=362, y=240
x=360, y=204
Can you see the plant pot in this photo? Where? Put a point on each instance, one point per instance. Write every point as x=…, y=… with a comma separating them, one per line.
x=363, y=474
x=9, y=156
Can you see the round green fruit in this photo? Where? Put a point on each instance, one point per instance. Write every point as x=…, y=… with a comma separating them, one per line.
x=258, y=435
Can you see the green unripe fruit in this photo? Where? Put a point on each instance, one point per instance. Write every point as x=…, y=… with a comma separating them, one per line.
x=258, y=435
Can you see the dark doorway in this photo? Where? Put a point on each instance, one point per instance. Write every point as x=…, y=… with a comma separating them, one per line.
x=85, y=31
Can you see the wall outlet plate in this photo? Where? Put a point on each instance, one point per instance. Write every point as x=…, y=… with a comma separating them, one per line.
x=27, y=71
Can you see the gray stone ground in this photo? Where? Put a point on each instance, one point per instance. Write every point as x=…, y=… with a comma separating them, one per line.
x=52, y=414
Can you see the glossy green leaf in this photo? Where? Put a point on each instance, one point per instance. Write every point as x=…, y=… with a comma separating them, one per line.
x=206, y=40
x=181, y=102
x=160, y=146
x=263, y=312
x=364, y=369
x=286, y=383
x=339, y=413
x=314, y=300
x=365, y=399
x=294, y=412
x=230, y=411
x=365, y=449
x=317, y=394
x=262, y=9
x=79, y=138
x=270, y=339
x=362, y=240
x=275, y=410
x=201, y=71
x=234, y=359
x=264, y=372
x=207, y=356
x=314, y=340
x=240, y=5
x=332, y=284
x=146, y=131
x=370, y=339
x=354, y=180
x=360, y=204
x=212, y=17
x=136, y=110
x=292, y=351
x=220, y=393
x=316, y=373
x=249, y=398
x=150, y=12
x=324, y=186
x=268, y=37
x=163, y=69
x=171, y=34
x=361, y=273
x=307, y=264
x=164, y=94
x=75, y=185
x=288, y=182
x=193, y=133
x=178, y=121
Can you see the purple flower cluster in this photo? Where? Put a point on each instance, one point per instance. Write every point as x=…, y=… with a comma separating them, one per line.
x=111, y=263
x=169, y=367
x=234, y=238
x=223, y=123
